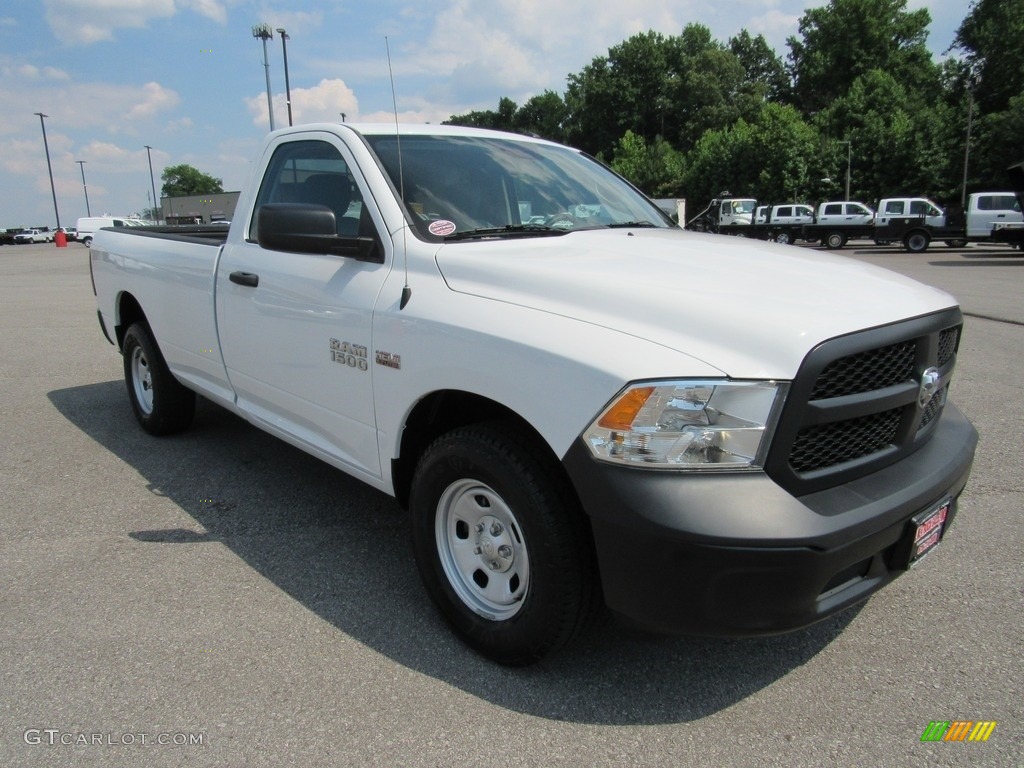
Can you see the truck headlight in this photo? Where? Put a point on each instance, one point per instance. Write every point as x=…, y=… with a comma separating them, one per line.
x=689, y=424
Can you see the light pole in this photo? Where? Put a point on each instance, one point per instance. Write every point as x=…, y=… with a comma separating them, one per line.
x=972, y=82
x=81, y=167
x=264, y=33
x=849, y=156
x=46, y=146
x=287, y=85
x=152, y=183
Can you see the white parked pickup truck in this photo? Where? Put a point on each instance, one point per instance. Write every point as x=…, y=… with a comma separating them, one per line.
x=577, y=401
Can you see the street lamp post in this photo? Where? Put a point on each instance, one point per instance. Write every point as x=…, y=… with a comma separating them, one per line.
x=849, y=157
x=81, y=167
x=46, y=146
x=152, y=183
x=264, y=33
x=287, y=85
x=972, y=82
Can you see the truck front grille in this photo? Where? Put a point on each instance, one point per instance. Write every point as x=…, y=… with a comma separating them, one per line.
x=856, y=403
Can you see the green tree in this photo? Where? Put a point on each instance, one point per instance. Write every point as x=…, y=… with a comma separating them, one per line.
x=543, y=116
x=992, y=37
x=502, y=120
x=655, y=168
x=764, y=72
x=181, y=180
x=848, y=39
x=998, y=143
x=623, y=91
x=899, y=145
x=710, y=91
x=776, y=158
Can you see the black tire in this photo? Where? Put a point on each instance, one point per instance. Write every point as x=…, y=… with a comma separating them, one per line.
x=87, y=242
x=501, y=544
x=161, y=404
x=783, y=238
x=916, y=241
x=835, y=240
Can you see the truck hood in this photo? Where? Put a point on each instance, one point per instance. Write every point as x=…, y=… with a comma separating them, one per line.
x=749, y=309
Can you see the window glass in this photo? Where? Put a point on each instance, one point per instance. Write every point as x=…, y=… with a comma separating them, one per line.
x=833, y=209
x=998, y=203
x=456, y=186
x=894, y=207
x=312, y=172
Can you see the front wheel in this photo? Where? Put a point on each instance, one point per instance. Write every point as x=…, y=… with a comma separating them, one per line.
x=501, y=544
x=161, y=404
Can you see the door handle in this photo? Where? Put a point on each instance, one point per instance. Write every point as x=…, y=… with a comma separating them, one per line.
x=245, y=278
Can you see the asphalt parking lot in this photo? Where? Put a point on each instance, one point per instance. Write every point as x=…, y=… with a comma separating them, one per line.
x=221, y=599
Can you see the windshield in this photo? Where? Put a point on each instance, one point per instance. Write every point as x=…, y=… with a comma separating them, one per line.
x=461, y=187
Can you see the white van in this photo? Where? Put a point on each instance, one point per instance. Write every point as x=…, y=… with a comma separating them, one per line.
x=87, y=226
x=986, y=209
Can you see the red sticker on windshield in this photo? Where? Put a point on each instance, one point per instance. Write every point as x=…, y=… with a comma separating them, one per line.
x=441, y=227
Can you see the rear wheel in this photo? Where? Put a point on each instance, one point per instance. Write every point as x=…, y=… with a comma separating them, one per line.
x=835, y=240
x=916, y=242
x=501, y=544
x=783, y=237
x=160, y=403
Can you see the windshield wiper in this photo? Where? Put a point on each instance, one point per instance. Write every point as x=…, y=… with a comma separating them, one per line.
x=509, y=230
x=631, y=224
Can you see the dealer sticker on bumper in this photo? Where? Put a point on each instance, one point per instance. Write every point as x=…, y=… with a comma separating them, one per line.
x=928, y=527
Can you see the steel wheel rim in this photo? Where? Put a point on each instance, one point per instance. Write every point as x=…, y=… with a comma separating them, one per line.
x=142, y=380
x=482, y=550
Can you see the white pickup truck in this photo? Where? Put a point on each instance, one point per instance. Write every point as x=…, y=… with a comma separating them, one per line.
x=577, y=401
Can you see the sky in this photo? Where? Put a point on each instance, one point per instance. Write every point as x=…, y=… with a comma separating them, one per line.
x=186, y=77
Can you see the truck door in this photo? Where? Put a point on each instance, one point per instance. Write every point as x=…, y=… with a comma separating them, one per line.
x=296, y=328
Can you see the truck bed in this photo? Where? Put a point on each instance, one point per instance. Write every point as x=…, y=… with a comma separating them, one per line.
x=203, y=234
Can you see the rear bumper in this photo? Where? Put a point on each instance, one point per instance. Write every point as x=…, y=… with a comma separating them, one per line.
x=735, y=554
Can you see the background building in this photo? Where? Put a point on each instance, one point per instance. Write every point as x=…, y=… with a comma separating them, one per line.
x=198, y=209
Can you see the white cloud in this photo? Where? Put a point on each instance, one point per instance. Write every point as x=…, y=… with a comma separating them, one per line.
x=211, y=9
x=324, y=102
x=91, y=21
x=154, y=98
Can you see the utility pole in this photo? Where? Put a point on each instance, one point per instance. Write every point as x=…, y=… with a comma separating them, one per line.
x=151, y=182
x=287, y=85
x=46, y=146
x=81, y=166
x=849, y=157
x=264, y=33
x=972, y=82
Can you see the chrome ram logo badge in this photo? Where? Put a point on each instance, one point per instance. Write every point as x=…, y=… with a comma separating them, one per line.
x=930, y=381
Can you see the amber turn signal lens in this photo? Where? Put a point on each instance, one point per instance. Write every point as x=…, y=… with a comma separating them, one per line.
x=623, y=412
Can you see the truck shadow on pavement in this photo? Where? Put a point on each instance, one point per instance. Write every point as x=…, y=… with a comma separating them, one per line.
x=341, y=550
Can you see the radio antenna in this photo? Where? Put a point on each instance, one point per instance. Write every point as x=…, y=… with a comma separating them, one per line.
x=406, y=290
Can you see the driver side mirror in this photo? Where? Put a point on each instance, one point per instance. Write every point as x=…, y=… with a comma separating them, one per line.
x=309, y=228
